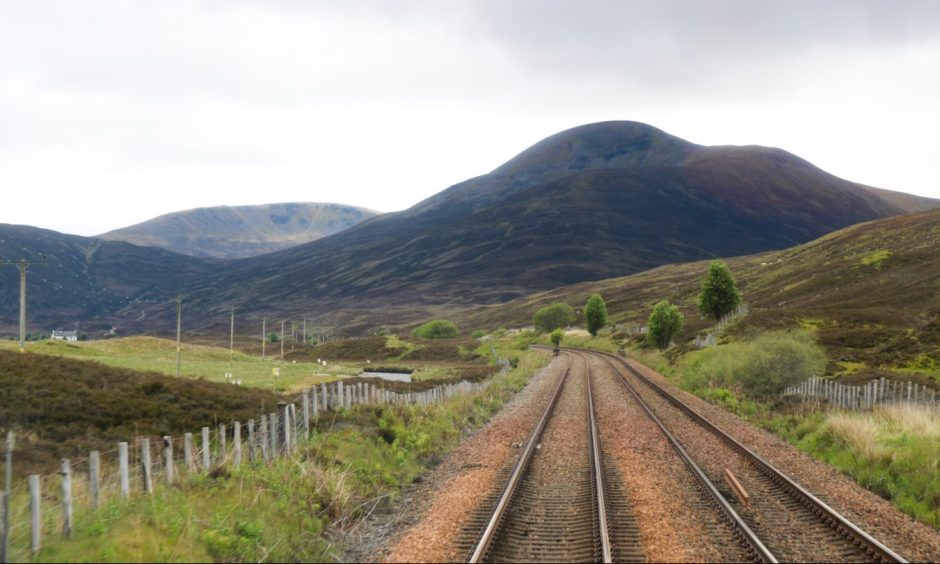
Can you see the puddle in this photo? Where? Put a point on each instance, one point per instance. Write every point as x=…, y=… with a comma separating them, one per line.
x=391, y=376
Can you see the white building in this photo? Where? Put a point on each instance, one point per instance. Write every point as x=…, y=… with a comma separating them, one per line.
x=65, y=335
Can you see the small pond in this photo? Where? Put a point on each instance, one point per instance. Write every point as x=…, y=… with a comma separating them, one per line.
x=392, y=376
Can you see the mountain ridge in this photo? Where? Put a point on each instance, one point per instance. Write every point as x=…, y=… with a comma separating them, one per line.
x=241, y=231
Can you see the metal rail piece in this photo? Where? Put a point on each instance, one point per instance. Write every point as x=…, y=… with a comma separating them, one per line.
x=499, y=514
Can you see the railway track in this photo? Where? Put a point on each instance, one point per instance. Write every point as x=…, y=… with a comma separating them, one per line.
x=556, y=504
x=781, y=520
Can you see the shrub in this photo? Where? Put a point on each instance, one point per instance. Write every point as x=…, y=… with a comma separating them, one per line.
x=762, y=368
x=556, y=337
x=664, y=323
x=436, y=329
x=553, y=316
x=719, y=292
x=478, y=333
x=595, y=314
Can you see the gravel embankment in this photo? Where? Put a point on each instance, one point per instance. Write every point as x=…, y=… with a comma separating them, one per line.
x=425, y=524
x=676, y=523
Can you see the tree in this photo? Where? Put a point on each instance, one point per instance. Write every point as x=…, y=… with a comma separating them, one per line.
x=556, y=337
x=595, y=313
x=553, y=316
x=719, y=294
x=437, y=329
x=664, y=323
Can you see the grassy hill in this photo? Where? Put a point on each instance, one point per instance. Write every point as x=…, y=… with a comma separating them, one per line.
x=63, y=407
x=871, y=292
x=241, y=231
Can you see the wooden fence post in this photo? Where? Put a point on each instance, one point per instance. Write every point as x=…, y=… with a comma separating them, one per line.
x=66, y=498
x=35, y=513
x=122, y=468
x=272, y=434
x=206, y=455
x=237, y=440
x=251, y=440
x=313, y=401
x=263, y=436
x=306, y=414
x=324, y=398
x=8, y=471
x=287, y=436
x=223, y=446
x=168, y=458
x=188, y=452
x=145, y=466
x=94, y=478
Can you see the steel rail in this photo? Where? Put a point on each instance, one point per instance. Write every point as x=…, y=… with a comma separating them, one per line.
x=598, y=470
x=747, y=536
x=825, y=512
x=505, y=500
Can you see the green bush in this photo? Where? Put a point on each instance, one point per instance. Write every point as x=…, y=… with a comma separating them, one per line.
x=761, y=368
x=664, y=323
x=595, y=314
x=554, y=316
x=478, y=333
x=556, y=337
x=437, y=329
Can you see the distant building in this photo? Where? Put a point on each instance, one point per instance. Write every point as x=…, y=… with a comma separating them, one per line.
x=65, y=335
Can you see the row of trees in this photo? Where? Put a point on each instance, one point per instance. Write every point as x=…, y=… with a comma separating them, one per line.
x=719, y=296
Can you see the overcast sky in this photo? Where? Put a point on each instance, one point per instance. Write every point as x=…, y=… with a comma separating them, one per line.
x=114, y=112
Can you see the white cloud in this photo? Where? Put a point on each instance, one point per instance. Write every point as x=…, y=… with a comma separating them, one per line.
x=114, y=112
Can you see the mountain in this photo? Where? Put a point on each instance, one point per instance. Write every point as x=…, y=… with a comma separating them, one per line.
x=869, y=291
x=85, y=281
x=241, y=231
x=594, y=202
x=589, y=203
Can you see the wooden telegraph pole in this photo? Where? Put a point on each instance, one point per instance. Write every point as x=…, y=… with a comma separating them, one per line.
x=264, y=334
x=231, y=340
x=23, y=265
x=179, y=310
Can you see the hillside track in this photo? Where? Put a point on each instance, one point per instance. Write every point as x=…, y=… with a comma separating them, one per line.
x=555, y=505
x=792, y=523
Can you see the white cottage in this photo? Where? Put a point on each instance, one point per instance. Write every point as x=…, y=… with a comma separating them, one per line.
x=65, y=335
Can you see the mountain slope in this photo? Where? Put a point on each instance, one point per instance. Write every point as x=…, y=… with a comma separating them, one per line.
x=85, y=281
x=241, y=231
x=870, y=291
x=589, y=203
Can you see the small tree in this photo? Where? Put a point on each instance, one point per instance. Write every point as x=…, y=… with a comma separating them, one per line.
x=437, y=329
x=719, y=294
x=556, y=337
x=595, y=313
x=553, y=316
x=664, y=323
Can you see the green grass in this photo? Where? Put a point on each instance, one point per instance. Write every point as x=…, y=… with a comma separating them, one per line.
x=355, y=460
x=197, y=361
x=893, y=451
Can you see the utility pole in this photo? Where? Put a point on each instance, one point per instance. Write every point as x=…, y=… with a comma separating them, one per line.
x=23, y=264
x=282, y=340
x=231, y=340
x=179, y=310
x=264, y=334
x=305, y=331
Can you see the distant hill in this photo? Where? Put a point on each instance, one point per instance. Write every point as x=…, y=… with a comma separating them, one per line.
x=593, y=202
x=870, y=291
x=241, y=231
x=86, y=281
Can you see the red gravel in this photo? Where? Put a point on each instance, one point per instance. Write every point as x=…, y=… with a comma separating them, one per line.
x=877, y=516
x=467, y=475
x=676, y=524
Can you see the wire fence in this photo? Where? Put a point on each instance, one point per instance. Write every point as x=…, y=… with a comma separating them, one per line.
x=45, y=504
x=710, y=339
x=866, y=396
